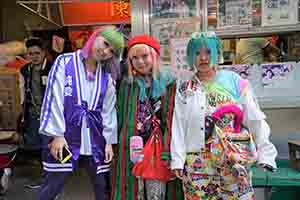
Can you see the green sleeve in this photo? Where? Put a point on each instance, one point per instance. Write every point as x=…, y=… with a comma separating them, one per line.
x=121, y=98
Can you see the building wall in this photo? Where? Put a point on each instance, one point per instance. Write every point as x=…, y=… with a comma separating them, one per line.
x=285, y=124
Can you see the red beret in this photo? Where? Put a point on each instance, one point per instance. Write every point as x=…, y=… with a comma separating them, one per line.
x=144, y=39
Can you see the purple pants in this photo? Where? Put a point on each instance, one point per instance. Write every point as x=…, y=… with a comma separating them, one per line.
x=54, y=182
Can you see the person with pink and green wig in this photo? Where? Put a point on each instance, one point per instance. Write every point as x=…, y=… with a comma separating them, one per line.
x=216, y=118
x=79, y=113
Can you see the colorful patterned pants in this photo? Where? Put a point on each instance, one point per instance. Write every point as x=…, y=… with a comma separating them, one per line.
x=203, y=181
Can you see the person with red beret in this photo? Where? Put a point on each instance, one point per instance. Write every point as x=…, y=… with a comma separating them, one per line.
x=145, y=105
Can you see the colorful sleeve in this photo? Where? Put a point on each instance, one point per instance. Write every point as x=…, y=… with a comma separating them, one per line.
x=52, y=113
x=122, y=94
x=168, y=107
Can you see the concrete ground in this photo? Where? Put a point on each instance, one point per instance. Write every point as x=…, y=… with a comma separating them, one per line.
x=77, y=186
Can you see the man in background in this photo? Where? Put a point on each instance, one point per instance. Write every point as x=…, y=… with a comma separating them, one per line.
x=33, y=84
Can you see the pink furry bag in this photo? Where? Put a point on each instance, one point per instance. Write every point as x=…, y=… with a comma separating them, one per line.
x=237, y=146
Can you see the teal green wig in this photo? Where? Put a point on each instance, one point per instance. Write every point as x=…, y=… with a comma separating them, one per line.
x=208, y=40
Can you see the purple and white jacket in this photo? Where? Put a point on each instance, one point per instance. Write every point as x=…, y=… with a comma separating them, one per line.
x=80, y=110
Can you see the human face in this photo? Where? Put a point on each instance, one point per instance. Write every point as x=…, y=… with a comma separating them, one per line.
x=101, y=49
x=36, y=55
x=141, y=59
x=202, y=63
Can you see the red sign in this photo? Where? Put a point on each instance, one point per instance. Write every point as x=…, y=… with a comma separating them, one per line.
x=115, y=12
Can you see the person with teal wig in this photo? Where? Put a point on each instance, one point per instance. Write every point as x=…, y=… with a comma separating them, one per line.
x=207, y=40
x=215, y=119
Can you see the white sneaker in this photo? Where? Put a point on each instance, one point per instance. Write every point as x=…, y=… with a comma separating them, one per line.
x=5, y=180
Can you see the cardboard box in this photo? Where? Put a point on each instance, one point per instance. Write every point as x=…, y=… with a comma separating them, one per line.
x=294, y=154
x=9, y=98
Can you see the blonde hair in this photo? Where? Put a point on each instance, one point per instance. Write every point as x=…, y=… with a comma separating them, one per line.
x=154, y=55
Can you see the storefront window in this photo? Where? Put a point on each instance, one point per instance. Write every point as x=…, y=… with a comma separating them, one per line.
x=257, y=50
x=228, y=13
x=235, y=22
x=173, y=21
x=239, y=14
x=279, y=12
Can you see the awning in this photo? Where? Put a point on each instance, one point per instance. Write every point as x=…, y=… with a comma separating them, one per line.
x=80, y=12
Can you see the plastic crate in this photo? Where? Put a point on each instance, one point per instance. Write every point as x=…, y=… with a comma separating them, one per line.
x=294, y=154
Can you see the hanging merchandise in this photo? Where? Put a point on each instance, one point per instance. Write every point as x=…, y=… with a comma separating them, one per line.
x=166, y=29
x=279, y=12
x=174, y=8
x=234, y=13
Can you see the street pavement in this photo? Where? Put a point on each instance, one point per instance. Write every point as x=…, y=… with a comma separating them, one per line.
x=77, y=186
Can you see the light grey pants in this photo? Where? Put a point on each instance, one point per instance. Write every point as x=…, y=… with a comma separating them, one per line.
x=151, y=190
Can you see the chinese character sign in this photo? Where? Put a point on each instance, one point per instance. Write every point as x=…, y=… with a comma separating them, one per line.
x=120, y=8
